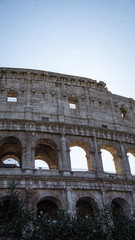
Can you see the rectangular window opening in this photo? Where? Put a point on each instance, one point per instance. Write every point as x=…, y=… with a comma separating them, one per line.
x=72, y=105
x=104, y=126
x=12, y=97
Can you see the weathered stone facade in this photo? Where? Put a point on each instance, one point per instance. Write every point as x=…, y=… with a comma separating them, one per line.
x=36, y=122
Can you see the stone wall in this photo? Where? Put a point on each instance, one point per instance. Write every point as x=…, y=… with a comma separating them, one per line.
x=43, y=114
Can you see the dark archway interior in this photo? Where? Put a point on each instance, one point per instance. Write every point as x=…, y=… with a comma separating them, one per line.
x=120, y=205
x=116, y=208
x=47, y=207
x=85, y=207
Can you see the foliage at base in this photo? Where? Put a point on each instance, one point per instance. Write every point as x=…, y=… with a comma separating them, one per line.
x=17, y=222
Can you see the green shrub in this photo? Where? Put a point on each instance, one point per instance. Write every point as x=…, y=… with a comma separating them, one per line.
x=18, y=223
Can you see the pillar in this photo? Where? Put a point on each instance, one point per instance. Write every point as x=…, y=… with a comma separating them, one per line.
x=24, y=163
x=69, y=199
x=133, y=198
x=98, y=159
x=104, y=197
x=28, y=151
x=124, y=161
x=65, y=157
x=60, y=108
x=33, y=157
x=60, y=160
x=93, y=161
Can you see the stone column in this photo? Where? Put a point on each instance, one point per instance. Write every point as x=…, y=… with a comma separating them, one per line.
x=69, y=199
x=24, y=163
x=93, y=161
x=133, y=198
x=60, y=160
x=124, y=161
x=60, y=108
x=90, y=115
x=68, y=159
x=98, y=159
x=92, y=155
x=65, y=160
x=32, y=157
x=28, y=96
x=28, y=150
x=104, y=197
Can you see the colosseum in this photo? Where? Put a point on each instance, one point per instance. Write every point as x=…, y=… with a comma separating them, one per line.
x=43, y=116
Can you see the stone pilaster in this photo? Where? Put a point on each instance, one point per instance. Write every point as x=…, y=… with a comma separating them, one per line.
x=65, y=159
x=23, y=165
x=124, y=161
x=98, y=158
x=93, y=161
x=28, y=150
x=60, y=109
x=32, y=157
x=69, y=199
x=92, y=154
x=133, y=198
x=60, y=164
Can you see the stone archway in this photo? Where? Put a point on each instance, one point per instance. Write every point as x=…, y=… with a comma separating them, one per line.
x=85, y=206
x=46, y=150
x=48, y=205
x=85, y=147
x=10, y=152
x=131, y=159
x=116, y=159
x=120, y=205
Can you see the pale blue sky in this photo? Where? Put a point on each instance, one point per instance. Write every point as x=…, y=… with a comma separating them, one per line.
x=90, y=38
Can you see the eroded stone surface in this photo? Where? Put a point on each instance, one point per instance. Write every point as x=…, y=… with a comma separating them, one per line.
x=43, y=114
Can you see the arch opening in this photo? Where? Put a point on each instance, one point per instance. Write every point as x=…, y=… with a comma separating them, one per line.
x=131, y=159
x=46, y=154
x=111, y=159
x=11, y=162
x=80, y=157
x=108, y=162
x=85, y=207
x=120, y=205
x=116, y=208
x=41, y=164
x=10, y=153
x=48, y=206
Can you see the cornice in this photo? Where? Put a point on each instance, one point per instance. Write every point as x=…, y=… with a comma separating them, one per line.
x=58, y=78
x=87, y=183
x=58, y=127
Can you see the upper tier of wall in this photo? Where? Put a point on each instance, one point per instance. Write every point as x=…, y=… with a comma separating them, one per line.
x=46, y=96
